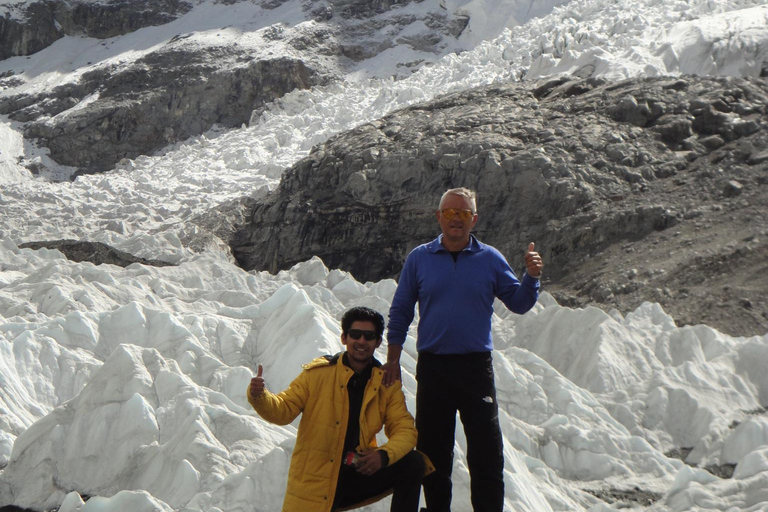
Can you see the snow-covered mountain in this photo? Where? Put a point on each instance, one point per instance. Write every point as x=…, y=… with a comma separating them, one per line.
x=125, y=386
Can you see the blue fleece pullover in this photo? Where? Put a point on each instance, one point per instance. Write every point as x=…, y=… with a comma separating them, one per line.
x=456, y=297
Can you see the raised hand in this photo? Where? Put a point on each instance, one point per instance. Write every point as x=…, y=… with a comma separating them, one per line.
x=257, y=383
x=533, y=263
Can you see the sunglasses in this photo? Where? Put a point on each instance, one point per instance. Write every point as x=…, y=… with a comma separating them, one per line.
x=356, y=333
x=453, y=213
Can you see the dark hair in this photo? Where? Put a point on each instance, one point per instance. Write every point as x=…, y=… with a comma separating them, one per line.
x=362, y=314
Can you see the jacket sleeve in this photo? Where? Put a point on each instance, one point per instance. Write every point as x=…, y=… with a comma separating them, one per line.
x=282, y=408
x=398, y=426
x=401, y=311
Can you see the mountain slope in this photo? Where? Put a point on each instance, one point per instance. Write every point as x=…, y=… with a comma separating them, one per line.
x=647, y=189
x=143, y=76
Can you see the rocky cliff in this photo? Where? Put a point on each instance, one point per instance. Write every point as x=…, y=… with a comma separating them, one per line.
x=184, y=86
x=168, y=96
x=649, y=189
x=27, y=28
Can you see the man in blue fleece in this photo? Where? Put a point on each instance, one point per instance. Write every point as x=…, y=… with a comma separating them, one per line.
x=455, y=279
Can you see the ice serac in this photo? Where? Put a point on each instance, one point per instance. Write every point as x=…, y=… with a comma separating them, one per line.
x=162, y=433
x=594, y=172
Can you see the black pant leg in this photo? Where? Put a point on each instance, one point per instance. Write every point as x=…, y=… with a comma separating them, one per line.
x=403, y=478
x=407, y=484
x=436, y=423
x=485, y=451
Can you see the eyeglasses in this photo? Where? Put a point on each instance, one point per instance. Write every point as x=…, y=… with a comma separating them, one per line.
x=452, y=213
x=356, y=333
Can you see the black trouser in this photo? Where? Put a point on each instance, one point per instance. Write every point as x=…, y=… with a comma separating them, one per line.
x=403, y=478
x=463, y=383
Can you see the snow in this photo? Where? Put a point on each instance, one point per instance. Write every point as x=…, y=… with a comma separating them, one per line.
x=128, y=384
x=151, y=370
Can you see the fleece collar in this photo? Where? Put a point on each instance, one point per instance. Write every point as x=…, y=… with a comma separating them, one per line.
x=436, y=245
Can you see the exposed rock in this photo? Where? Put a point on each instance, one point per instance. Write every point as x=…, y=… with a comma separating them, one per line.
x=29, y=35
x=582, y=168
x=167, y=96
x=679, y=453
x=359, y=33
x=94, y=252
x=733, y=188
x=42, y=23
x=758, y=158
x=721, y=470
x=356, y=8
x=116, y=17
x=217, y=225
x=14, y=508
x=724, y=470
x=182, y=90
x=626, y=496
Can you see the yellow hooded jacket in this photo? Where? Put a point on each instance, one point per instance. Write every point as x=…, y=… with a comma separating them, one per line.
x=320, y=393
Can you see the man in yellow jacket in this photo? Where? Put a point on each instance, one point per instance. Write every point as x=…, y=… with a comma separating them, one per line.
x=336, y=463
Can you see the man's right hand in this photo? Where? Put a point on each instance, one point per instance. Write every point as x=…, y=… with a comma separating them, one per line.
x=257, y=384
x=533, y=262
x=392, y=366
x=391, y=372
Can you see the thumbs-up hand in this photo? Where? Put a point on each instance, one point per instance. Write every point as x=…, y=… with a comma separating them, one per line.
x=257, y=383
x=533, y=263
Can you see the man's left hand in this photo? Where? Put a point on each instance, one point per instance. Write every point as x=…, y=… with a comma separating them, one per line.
x=533, y=263
x=369, y=463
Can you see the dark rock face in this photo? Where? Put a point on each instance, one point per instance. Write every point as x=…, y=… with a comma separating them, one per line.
x=14, y=508
x=43, y=23
x=117, y=17
x=165, y=97
x=626, y=496
x=358, y=26
x=181, y=90
x=24, y=37
x=94, y=252
x=621, y=186
x=171, y=94
x=352, y=8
